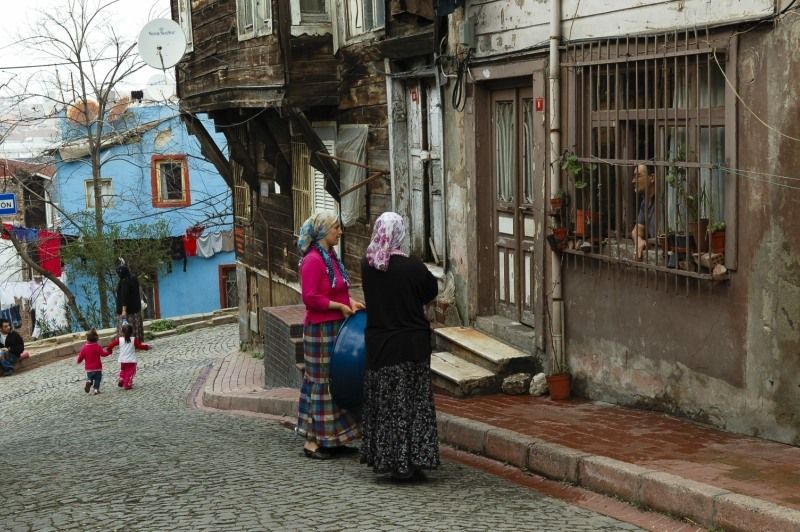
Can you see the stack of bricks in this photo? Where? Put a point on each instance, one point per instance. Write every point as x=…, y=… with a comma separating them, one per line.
x=283, y=346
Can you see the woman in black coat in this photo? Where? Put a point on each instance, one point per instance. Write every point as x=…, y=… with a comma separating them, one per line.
x=399, y=418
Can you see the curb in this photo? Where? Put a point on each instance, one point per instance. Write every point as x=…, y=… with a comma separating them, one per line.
x=704, y=504
x=61, y=347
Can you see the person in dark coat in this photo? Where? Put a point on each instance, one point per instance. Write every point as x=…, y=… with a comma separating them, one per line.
x=129, y=302
x=399, y=417
x=11, y=347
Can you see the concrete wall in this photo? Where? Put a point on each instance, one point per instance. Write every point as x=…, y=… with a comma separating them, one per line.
x=725, y=354
x=504, y=26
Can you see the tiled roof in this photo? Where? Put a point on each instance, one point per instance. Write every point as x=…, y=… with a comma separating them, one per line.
x=9, y=167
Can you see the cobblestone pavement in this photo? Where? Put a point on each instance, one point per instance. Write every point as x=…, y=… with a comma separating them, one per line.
x=144, y=460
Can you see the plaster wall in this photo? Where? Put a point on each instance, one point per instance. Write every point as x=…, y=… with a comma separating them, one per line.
x=726, y=354
x=460, y=208
x=195, y=290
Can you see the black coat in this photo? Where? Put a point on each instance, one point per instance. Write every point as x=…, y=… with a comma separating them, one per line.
x=128, y=295
x=14, y=343
x=397, y=329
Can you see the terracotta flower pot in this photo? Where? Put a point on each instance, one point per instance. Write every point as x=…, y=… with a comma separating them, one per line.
x=555, y=204
x=559, y=386
x=560, y=233
x=718, y=241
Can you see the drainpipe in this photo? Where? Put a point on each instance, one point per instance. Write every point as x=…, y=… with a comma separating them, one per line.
x=554, y=75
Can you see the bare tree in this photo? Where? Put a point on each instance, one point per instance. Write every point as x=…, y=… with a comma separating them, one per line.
x=90, y=61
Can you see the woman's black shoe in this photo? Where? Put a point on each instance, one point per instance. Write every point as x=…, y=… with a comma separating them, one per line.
x=317, y=454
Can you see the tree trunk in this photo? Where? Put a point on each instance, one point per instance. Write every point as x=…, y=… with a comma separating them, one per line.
x=99, y=226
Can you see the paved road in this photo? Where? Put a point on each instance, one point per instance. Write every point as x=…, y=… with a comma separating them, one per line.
x=143, y=460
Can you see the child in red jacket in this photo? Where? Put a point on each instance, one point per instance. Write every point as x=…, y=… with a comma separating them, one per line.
x=90, y=355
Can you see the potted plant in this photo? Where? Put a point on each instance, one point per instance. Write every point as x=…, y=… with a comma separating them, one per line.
x=557, y=239
x=559, y=201
x=717, y=237
x=559, y=380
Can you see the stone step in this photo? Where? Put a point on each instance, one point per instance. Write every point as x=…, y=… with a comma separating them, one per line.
x=483, y=350
x=509, y=331
x=459, y=377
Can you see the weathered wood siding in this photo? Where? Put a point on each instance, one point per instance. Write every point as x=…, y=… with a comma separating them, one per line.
x=313, y=72
x=362, y=100
x=223, y=72
x=504, y=26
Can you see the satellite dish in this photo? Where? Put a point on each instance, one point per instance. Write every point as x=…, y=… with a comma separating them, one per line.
x=160, y=88
x=162, y=43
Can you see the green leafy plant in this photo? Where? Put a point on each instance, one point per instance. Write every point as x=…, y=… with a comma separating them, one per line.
x=719, y=225
x=161, y=325
x=572, y=165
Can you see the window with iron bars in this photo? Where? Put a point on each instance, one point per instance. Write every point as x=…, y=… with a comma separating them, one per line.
x=649, y=140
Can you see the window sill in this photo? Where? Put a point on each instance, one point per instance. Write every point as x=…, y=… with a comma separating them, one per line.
x=311, y=28
x=372, y=35
x=648, y=266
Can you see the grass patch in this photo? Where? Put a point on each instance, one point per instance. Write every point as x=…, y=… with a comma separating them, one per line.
x=162, y=325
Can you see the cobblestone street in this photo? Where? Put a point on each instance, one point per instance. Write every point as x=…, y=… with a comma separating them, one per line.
x=144, y=460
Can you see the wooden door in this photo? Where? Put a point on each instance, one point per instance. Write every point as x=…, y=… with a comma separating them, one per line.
x=514, y=197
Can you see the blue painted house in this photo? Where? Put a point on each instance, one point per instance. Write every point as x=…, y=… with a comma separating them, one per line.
x=152, y=170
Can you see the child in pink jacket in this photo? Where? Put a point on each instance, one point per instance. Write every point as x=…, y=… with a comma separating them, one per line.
x=127, y=355
x=90, y=356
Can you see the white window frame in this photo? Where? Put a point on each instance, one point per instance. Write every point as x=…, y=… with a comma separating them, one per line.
x=259, y=18
x=310, y=23
x=185, y=22
x=354, y=8
x=106, y=191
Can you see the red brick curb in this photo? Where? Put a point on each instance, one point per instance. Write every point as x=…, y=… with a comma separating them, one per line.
x=704, y=504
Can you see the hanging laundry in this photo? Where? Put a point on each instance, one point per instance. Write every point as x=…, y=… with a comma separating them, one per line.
x=227, y=241
x=209, y=244
x=190, y=245
x=204, y=248
x=23, y=234
x=50, y=252
x=177, y=251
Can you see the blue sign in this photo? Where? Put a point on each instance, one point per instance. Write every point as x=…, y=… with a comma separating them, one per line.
x=8, y=204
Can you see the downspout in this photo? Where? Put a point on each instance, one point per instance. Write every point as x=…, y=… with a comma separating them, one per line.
x=554, y=76
x=437, y=79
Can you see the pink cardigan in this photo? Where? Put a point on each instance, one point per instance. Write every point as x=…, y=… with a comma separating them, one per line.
x=317, y=291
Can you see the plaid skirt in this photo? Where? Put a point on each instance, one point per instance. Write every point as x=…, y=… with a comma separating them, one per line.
x=318, y=418
x=135, y=321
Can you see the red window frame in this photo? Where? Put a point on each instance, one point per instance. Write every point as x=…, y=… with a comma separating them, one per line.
x=155, y=182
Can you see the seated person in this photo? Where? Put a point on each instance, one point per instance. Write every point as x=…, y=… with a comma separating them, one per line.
x=11, y=347
x=644, y=183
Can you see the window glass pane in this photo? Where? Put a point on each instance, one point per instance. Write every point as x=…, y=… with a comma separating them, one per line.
x=527, y=147
x=312, y=6
x=712, y=182
x=504, y=148
x=171, y=181
x=378, y=12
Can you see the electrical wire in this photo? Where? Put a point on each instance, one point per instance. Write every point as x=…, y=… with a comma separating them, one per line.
x=459, y=98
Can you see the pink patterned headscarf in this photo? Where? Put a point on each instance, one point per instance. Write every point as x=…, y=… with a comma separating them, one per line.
x=387, y=239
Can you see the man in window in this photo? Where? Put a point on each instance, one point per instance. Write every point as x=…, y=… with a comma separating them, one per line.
x=644, y=183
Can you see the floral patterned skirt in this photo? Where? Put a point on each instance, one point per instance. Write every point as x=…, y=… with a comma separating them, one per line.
x=319, y=419
x=399, y=419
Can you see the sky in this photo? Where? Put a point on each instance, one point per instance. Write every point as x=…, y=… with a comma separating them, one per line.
x=20, y=16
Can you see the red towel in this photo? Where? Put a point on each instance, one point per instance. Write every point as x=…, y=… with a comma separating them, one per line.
x=50, y=252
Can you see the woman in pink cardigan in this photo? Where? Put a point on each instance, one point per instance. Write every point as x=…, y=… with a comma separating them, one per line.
x=325, y=289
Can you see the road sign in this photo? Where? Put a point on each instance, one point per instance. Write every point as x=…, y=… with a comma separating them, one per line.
x=8, y=204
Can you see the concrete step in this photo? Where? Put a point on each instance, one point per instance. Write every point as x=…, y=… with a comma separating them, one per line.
x=459, y=377
x=483, y=350
x=509, y=331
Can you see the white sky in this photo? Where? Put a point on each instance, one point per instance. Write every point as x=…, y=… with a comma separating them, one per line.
x=19, y=16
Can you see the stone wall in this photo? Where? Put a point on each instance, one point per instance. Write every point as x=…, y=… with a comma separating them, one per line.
x=283, y=346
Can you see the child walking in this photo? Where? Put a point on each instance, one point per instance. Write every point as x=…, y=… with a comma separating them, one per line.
x=90, y=356
x=127, y=355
